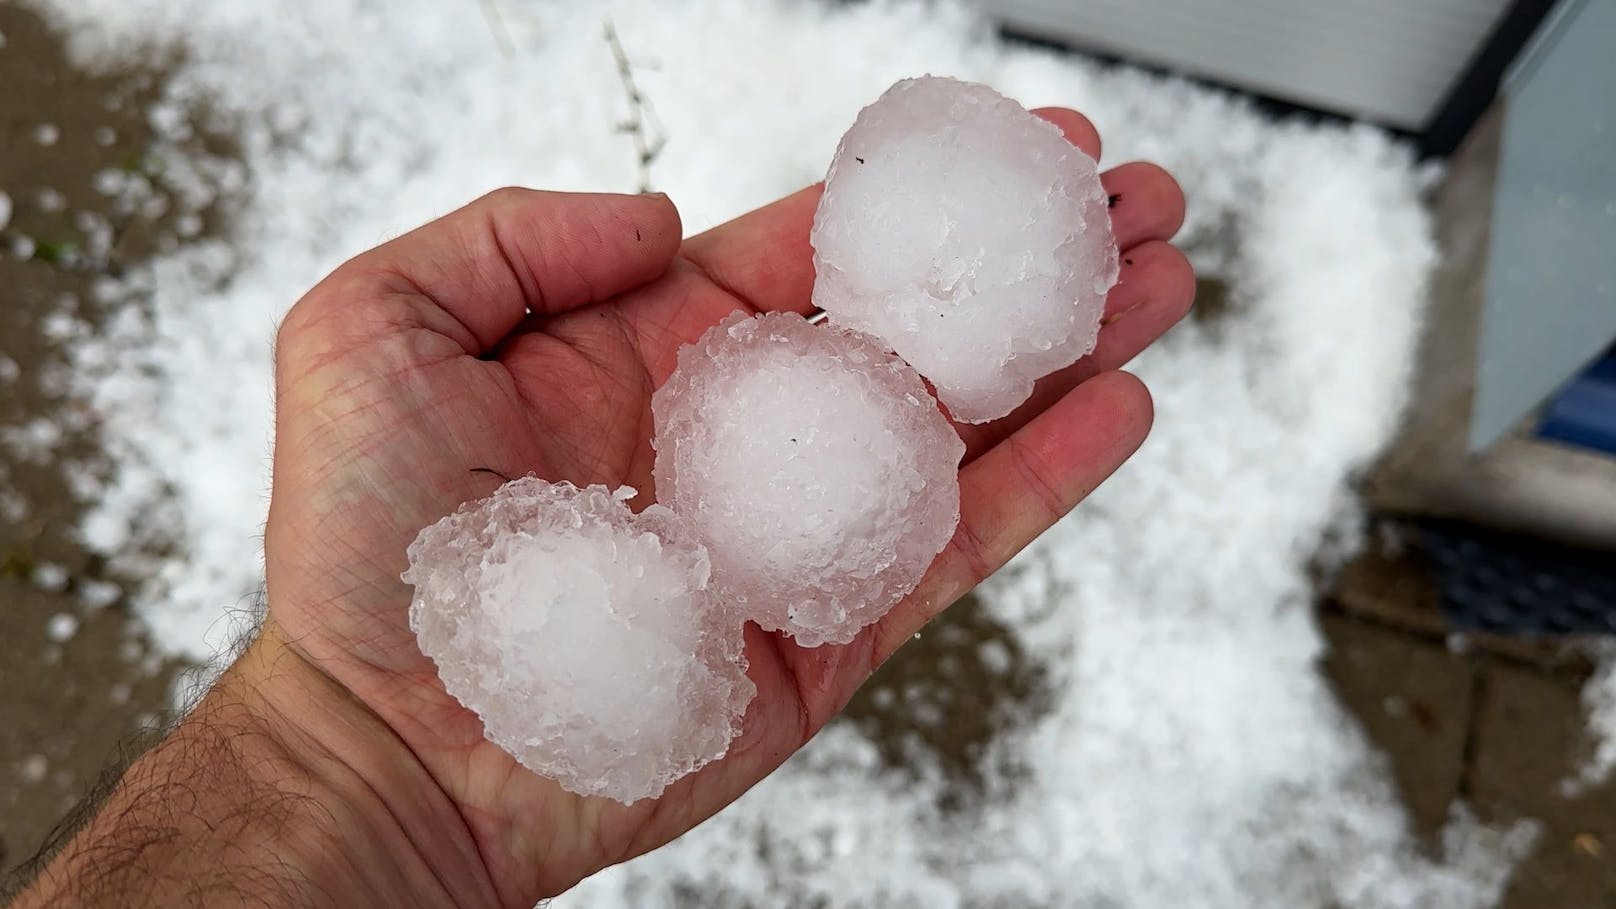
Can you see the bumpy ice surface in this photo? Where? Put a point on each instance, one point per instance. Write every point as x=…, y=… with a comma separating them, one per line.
x=815, y=467
x=585, y=636
x=968, y=235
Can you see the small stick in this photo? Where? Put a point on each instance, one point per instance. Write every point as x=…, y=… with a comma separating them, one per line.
x=496, y=26
x=642, y=122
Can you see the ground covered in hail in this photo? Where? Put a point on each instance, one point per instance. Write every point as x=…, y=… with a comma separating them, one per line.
x=1183, y=748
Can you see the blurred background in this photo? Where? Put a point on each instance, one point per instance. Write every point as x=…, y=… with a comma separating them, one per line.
x=1341, y=635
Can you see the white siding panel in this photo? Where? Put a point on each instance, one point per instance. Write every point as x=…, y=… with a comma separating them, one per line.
x=1386, y=60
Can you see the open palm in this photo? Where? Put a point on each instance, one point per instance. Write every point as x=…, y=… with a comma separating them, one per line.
x=525, y=334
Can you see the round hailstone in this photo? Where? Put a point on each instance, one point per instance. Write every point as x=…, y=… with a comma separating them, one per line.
x=815, y=467
x=968, y=235
x=584, y=635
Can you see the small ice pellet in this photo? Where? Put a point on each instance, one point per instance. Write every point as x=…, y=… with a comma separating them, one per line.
x=33, y=768
x=61, y=627
x=50, y=576
x=813, y=464
x=584, y=635
x=109, y=182
x=969, y=236
x=50, y=200
x=99, y=594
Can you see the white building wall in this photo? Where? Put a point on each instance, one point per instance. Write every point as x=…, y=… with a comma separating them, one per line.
x=1386, y=60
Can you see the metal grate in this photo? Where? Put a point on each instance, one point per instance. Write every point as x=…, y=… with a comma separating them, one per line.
x=1514, y=584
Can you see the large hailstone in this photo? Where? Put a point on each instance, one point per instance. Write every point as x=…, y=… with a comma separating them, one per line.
x=970, y=237
x=815, y=467
x=584, y=635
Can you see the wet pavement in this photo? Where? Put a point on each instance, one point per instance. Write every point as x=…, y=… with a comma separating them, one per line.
x=79, y=683
x=1494, y=723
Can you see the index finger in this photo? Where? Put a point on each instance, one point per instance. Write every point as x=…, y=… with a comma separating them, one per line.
x=764, y=258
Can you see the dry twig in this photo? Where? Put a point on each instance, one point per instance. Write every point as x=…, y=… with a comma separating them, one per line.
x=642, y=123
x=496, y=27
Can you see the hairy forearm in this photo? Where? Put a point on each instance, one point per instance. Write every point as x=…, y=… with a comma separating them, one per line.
x=216, y=813
x=244, y=804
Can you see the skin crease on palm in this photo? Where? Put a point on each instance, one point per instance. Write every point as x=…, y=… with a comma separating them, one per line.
x=525, y=334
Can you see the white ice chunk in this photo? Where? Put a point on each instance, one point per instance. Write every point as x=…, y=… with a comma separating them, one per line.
x=813, y=464
x=968, y=235
x=583, y=634
x=33, y=768
x=61, y=627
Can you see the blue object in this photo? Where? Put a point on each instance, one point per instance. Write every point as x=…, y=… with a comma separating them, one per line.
x=1550, y=298
x=1584, y=412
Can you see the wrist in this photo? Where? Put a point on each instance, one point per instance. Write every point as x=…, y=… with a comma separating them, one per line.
x=277, y=789
x=394, y=838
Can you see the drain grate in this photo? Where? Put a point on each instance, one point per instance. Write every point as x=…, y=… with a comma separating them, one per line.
x=1515, y=584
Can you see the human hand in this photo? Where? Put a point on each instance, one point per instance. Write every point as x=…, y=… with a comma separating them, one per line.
x=525, y=334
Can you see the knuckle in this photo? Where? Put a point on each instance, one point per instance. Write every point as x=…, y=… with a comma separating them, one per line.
x=506, y=196
x=311, y=324
x=971, y=549
x=294, y=326
x=298, y=331
x=1036, y=482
